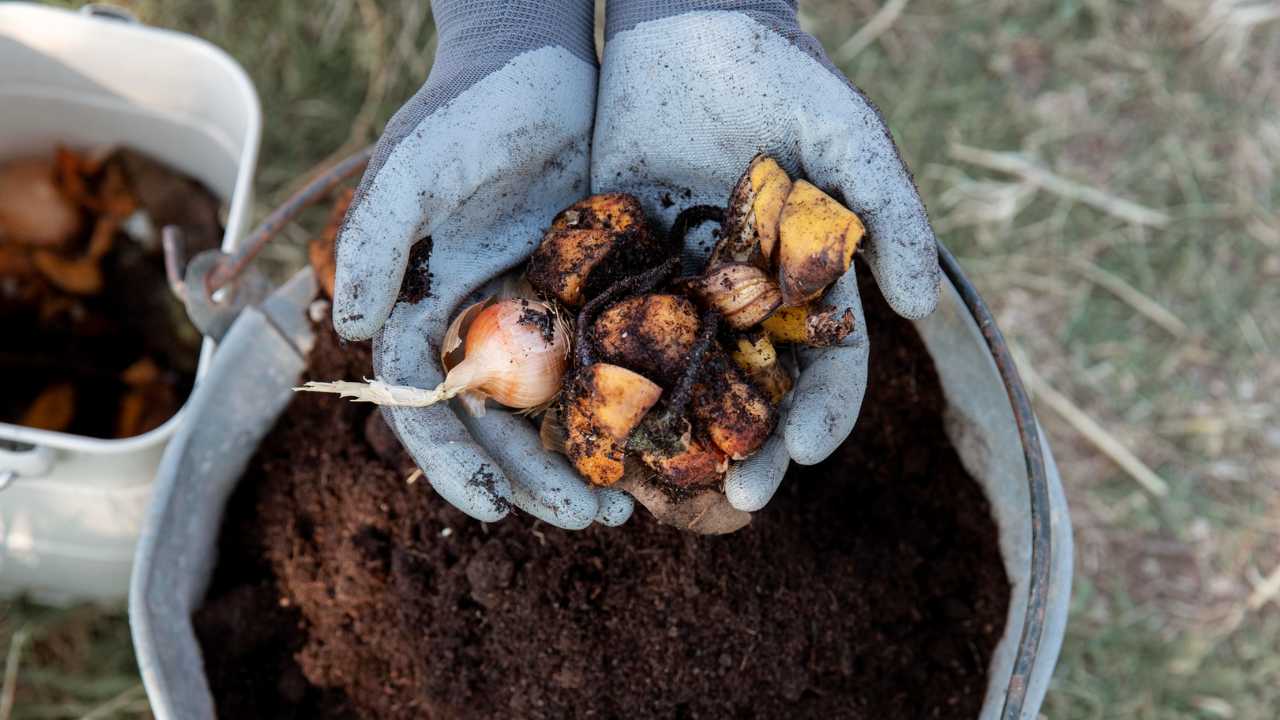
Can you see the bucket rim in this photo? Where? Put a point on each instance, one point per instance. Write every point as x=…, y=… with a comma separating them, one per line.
x=1037, y=484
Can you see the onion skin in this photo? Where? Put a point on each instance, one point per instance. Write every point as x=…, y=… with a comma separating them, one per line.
x=516, y=351
x=33, y=211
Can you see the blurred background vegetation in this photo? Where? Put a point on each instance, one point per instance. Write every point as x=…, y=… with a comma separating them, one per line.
x=1107, y=172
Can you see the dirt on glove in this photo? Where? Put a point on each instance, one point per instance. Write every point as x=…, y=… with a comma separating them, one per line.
x=870, y=587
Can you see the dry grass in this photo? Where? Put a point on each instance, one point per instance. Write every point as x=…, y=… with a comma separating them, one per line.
x=1106, y=171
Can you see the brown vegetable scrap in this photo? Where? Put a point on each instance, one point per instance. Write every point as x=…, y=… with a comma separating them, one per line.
x=322, y=249
x=149, y=401
x=591, y=245
x=90, y=316
x=52, y=409
x=677, y=378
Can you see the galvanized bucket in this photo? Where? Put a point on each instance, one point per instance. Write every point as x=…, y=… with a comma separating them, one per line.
x=264, y=353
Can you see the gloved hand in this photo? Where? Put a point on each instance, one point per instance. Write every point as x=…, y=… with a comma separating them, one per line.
x=478, y=162
x=690, y=91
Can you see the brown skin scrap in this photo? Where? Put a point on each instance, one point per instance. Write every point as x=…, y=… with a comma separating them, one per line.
x=736, y=415
x=602, y=404
x=322, y=247
x=704, y=510
x=590, y=246
x=695, y=461
x=618, y=212
x=815, y=325
x=652, y=334
x=754, y=213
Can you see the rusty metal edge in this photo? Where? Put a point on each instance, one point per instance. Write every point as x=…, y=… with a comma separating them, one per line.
x=1037, y=482
x=318, y=188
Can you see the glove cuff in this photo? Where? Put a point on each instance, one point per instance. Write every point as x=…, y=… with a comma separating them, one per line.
x=778, y=15
x=487, y=30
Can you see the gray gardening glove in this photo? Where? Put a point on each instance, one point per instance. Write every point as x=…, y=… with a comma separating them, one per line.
x=690, y=91
x=479, y=161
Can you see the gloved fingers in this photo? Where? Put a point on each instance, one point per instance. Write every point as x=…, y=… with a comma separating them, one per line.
x=616, y=507
x=465, y=175
x=828, y=394
x=459, y=469
x=848, y=148
x=751, y=483
x=542, y=483
x=386, y=217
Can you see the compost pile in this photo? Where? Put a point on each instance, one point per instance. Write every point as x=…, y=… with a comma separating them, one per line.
x=672, y=378
x=100, y=345
x=870, y=587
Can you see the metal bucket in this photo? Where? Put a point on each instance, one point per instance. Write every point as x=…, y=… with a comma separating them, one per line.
x=989, y=420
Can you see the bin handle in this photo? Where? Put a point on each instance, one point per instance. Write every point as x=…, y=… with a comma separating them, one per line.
x=107, y=11
x=31, y=461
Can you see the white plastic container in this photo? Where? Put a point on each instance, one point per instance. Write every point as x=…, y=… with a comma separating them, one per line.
x=72, y=506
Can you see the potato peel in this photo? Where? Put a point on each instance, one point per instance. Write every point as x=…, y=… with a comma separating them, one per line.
x=736, y=415
x=589, y=246
x=651, y=334
x=602, y=405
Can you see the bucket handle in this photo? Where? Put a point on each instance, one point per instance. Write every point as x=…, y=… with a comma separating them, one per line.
x=107, y=11
x=30, y=461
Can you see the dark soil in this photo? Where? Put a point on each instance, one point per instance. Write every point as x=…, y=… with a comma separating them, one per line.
x=871, y=587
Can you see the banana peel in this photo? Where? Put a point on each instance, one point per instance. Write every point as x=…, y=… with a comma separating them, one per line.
x=750, y=232
x=756, y=356
x=815, y=325
x=602, y=404
x=817, y=237
x=591, y=245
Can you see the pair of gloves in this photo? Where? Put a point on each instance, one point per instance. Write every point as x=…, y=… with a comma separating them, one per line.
x=516, y=122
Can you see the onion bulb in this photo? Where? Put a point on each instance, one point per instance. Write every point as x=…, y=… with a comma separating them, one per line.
x=515, y=351
x=33, y=211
